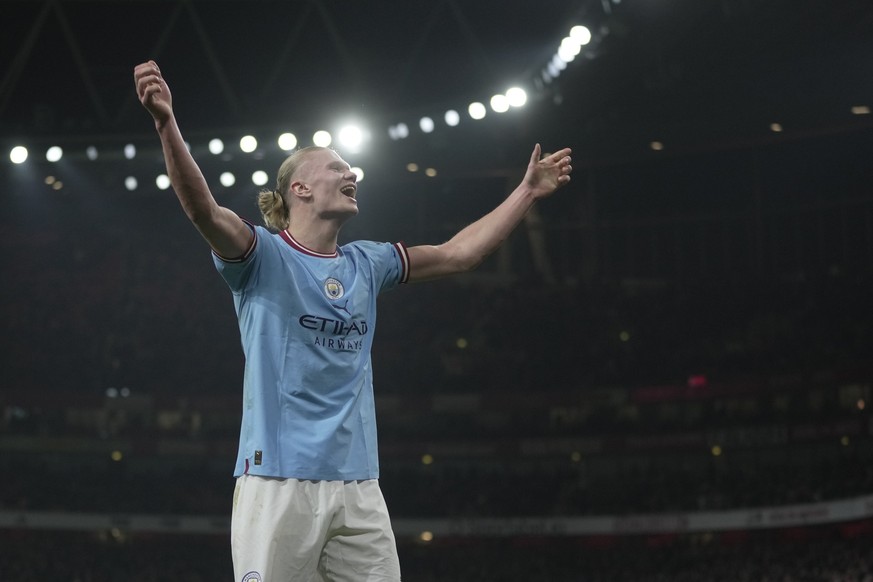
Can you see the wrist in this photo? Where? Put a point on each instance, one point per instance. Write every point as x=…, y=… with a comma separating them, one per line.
x=527, y=193
x=162, y=123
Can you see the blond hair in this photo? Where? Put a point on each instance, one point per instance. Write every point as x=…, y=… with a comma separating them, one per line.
x=273, y=203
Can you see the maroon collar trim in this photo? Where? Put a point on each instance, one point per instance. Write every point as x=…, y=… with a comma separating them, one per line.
x=286, y=236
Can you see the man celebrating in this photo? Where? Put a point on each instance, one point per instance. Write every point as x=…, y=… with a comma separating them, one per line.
x=307, y=504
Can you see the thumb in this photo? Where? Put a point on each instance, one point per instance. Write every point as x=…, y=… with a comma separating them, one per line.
x=535, y=156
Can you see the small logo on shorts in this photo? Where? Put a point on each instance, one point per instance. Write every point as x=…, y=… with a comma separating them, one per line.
x=252, y=577
x=333, y=288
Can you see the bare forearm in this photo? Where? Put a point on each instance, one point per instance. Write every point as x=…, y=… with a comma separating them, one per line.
x=185, y=176
x=222, y=228
x=467, y=249
x=472, y=245
x=477, y=241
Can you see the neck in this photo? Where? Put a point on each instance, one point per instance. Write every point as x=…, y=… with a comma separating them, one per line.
x=320, y=236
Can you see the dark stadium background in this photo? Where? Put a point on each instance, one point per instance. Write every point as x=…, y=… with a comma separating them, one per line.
x=682, y=334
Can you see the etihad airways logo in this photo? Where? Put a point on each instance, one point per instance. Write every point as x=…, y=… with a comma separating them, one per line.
x=333, y=326
x=336, y=334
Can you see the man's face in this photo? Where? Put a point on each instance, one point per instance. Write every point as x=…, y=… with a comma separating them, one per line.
x=331, y=183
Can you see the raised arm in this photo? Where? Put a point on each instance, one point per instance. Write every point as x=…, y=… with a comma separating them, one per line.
x=225, y=232
x=467, y=249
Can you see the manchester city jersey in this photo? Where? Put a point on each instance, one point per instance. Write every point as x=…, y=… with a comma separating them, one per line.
x=306, y=322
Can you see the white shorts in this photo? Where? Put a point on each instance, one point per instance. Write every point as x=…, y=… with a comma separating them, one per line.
x=285, y=530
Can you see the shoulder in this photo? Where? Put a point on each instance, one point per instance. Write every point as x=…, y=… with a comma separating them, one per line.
x=365, y=247
x=373, y=250
x=390, y=259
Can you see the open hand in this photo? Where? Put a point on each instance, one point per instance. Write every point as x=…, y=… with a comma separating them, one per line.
x=546, y=175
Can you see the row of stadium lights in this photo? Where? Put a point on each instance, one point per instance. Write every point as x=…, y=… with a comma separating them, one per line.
x=351, y=138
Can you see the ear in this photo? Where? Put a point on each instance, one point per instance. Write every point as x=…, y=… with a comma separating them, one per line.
x=300, y=189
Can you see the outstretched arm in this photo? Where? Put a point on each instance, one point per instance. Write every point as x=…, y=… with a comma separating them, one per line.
x=467, y=249
x=225, y=232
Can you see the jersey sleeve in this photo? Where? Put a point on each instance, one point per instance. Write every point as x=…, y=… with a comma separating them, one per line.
x=389, y=263
x=239, y=272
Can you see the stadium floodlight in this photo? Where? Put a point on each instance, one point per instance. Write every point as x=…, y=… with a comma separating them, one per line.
x=248, y=143
x=322, y=138
x=91, y=153
x=580, y=34
x=426, y=124
x=452, y=118
x=216, y=146
x=130, y=183
x=568, y=50
x=399, y=131
x=553, y=71
x=227, y=179
x=54, y=154
x=476, y=110
x=287, y=141
x=516, y=96
x=499, y=104
x=259, y=178
x=559, y=63
x=358, y=172
x=129, y=151
x=351, y=137
x=162, y=181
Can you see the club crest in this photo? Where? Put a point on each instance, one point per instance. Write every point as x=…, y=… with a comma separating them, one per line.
x=333, y=288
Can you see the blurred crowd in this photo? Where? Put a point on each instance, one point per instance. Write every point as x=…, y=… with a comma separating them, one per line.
x=511, y=392
x=461, y=487
x=85, y=312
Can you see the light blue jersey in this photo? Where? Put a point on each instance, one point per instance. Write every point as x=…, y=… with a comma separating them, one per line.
x=307, y=321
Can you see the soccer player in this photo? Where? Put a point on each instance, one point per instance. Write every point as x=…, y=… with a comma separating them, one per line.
x=307, y=504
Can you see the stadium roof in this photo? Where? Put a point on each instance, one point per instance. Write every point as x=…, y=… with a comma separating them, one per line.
x=692, y=73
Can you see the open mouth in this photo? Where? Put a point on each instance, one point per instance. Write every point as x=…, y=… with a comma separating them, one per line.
x=349, y=190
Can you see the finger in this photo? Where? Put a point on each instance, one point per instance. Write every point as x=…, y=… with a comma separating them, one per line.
x=564, y=153
x=151, y=90
x=535, y=156
x=149, y=93
x=144, y=68
x=143, y=83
